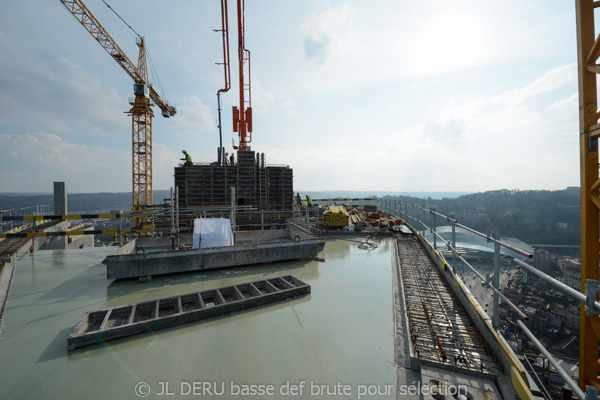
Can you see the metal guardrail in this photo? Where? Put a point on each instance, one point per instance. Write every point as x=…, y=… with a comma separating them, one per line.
x=344, y=199
x=592, y=288
x=214, y=164
x=73, y=216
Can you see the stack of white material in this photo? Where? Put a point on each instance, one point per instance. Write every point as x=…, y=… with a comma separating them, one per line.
x=212, y=232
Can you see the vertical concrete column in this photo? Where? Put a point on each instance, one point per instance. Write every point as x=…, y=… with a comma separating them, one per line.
x=60, y=198
x=60, y=207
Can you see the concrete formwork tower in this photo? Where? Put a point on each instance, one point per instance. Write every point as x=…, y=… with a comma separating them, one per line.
x=60, y=198
x=588, y=53
x=60, y=208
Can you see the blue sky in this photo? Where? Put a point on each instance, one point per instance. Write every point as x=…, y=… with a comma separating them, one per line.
x=354, y=95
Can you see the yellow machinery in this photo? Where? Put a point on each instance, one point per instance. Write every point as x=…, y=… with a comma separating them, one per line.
x=141, y=112
x=588, y=53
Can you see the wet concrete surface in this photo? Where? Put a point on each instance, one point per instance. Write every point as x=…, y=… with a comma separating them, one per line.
x=332, y=343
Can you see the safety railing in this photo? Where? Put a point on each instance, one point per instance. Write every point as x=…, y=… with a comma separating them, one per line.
x=401, y=209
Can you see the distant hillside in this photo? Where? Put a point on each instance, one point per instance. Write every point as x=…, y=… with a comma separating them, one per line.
x=77, y=202
x=534, y=216
x=361, y=194
x=87, y=202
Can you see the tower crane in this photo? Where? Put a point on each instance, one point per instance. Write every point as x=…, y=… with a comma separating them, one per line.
x=145, y=96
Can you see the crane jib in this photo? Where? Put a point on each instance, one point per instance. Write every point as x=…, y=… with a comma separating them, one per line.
x=79, y=10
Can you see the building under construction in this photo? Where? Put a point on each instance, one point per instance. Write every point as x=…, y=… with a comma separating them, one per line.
x=256, y=184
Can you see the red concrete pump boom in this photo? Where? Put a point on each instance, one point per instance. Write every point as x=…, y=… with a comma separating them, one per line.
x=242, y=116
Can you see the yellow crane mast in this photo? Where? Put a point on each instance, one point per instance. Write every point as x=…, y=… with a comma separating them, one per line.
x=588, y=55
x=141, y=112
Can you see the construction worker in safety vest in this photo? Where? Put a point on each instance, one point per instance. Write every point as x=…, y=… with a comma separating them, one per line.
x=309, y=200
x=187, y=158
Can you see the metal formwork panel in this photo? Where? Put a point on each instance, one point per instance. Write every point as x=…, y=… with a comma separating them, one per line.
x=260, y=187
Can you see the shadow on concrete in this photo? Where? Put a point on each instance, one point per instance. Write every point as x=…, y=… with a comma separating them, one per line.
x=89, y=283
x=57, y=348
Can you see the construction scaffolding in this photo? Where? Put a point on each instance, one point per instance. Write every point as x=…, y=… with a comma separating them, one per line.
x=257, y=185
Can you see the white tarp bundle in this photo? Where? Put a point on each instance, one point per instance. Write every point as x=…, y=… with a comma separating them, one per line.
x=212, y=232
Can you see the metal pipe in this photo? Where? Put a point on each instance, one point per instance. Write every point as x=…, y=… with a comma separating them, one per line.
x=496, y=284
x=226, y=71
x=453, y=244
x=569, y=290
x=496, y=290
x=220, y=158
x=512, y=248
x=177, y=215
x=172, y=220
x=506, y=245
x=233, y=221
x=502, y=296
x=578, y=392
x=434, y=229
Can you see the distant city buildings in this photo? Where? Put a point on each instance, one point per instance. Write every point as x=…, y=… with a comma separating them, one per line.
x=573, y=318
x=543, y=260
x=571, y=269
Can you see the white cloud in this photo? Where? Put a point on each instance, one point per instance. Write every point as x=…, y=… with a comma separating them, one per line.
x=37, y=159
x=164, y=159
x=326, y=31
x=515, y=137
x=509, y=139
x=58, y=94
x=270, y=99
x=193, y=119
x=552, y=80
x=450, y=130
x=358, y=44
